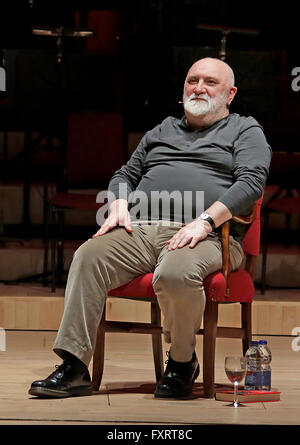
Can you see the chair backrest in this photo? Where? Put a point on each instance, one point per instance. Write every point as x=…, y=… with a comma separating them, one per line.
x=96, y=148
x=251, y=241
x=106, y=25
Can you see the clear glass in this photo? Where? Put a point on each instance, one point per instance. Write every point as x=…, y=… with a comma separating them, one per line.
x=235, y=368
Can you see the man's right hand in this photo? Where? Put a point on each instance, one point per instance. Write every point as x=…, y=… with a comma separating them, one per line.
x=118, y=216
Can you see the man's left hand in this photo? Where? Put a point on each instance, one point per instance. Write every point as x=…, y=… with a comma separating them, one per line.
x=190, y=234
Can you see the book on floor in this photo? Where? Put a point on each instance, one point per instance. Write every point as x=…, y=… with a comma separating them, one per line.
x=249, y=396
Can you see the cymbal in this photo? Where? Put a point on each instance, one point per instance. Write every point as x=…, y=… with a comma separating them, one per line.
x=227, y=30
x=60, y=31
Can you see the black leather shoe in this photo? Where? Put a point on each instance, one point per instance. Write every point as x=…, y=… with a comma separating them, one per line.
x=71, y=378
x=178, y=378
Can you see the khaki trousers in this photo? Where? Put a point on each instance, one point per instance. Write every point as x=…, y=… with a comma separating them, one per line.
x=113, y=259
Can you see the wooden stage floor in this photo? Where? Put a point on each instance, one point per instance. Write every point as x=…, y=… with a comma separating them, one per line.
x=126, y=394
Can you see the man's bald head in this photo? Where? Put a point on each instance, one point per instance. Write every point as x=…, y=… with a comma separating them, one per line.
x=216, y=65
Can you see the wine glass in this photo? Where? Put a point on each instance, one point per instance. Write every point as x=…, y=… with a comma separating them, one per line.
x=235, y=368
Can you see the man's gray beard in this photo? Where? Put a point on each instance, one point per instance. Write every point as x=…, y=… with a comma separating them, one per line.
x=208, y=105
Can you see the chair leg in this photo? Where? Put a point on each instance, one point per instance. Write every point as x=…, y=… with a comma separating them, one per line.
x=288, y=227
x=156, y=342
x=60, y=246
x=98, y=356
x=246, y=309
x=209, y=347
x=298, y=232
x=264, y=252
x=53, y=248
x=46, y=244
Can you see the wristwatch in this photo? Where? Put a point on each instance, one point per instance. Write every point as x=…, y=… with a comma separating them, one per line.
x=206, y=217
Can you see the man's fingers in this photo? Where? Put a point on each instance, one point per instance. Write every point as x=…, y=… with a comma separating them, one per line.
x=127, y=223
x=182, y=239
x=104, y=229
x=100, y=232
x=195, y=241
x=128, y=227
x=107, y=226
x=178, y=241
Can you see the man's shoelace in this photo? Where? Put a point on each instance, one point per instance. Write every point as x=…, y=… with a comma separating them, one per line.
x=168, y=355
x=58, y=371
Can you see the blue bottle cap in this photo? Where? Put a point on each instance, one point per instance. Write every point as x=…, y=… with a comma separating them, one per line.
x=263, y=342
x=254, y=343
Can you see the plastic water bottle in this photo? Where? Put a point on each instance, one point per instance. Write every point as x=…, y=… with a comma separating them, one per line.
x=265, y=382
x=254, y=360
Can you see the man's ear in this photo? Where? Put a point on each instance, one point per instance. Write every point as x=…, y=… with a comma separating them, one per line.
x=232, y=93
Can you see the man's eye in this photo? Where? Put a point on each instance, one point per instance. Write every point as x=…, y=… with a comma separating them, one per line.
x=192, y=81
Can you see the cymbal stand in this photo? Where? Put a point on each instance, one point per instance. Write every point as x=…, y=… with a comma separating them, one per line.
x=225, y=31
x=223, y=43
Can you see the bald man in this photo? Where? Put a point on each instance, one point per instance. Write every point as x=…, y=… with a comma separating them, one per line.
x=186, y=177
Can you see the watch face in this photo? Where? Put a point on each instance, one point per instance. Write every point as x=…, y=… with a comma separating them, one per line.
x=205, y=215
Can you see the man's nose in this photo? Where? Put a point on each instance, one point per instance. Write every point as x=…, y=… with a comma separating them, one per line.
x=199, y=88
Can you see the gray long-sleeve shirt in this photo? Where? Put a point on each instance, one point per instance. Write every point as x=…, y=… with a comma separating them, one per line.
x=227, y=162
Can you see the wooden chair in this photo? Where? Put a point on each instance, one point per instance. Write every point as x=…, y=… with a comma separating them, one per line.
x=220, y=287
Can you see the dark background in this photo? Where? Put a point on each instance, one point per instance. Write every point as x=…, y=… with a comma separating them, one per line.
x=157, y=41
x=135, y=65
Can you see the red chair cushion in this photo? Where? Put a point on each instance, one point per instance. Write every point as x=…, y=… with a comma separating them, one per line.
x=241, y=287
x=138, y=287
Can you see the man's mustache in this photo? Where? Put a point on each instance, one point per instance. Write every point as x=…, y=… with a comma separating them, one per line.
x=194, y=96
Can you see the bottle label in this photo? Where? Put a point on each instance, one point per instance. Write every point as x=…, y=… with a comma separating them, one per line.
x=253, y=378
x=266, y=379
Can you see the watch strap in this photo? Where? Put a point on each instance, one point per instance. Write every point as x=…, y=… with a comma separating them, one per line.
x=206, y=217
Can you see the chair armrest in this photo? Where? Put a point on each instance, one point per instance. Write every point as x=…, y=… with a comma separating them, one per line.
x=246, y=219
x=225, y=243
